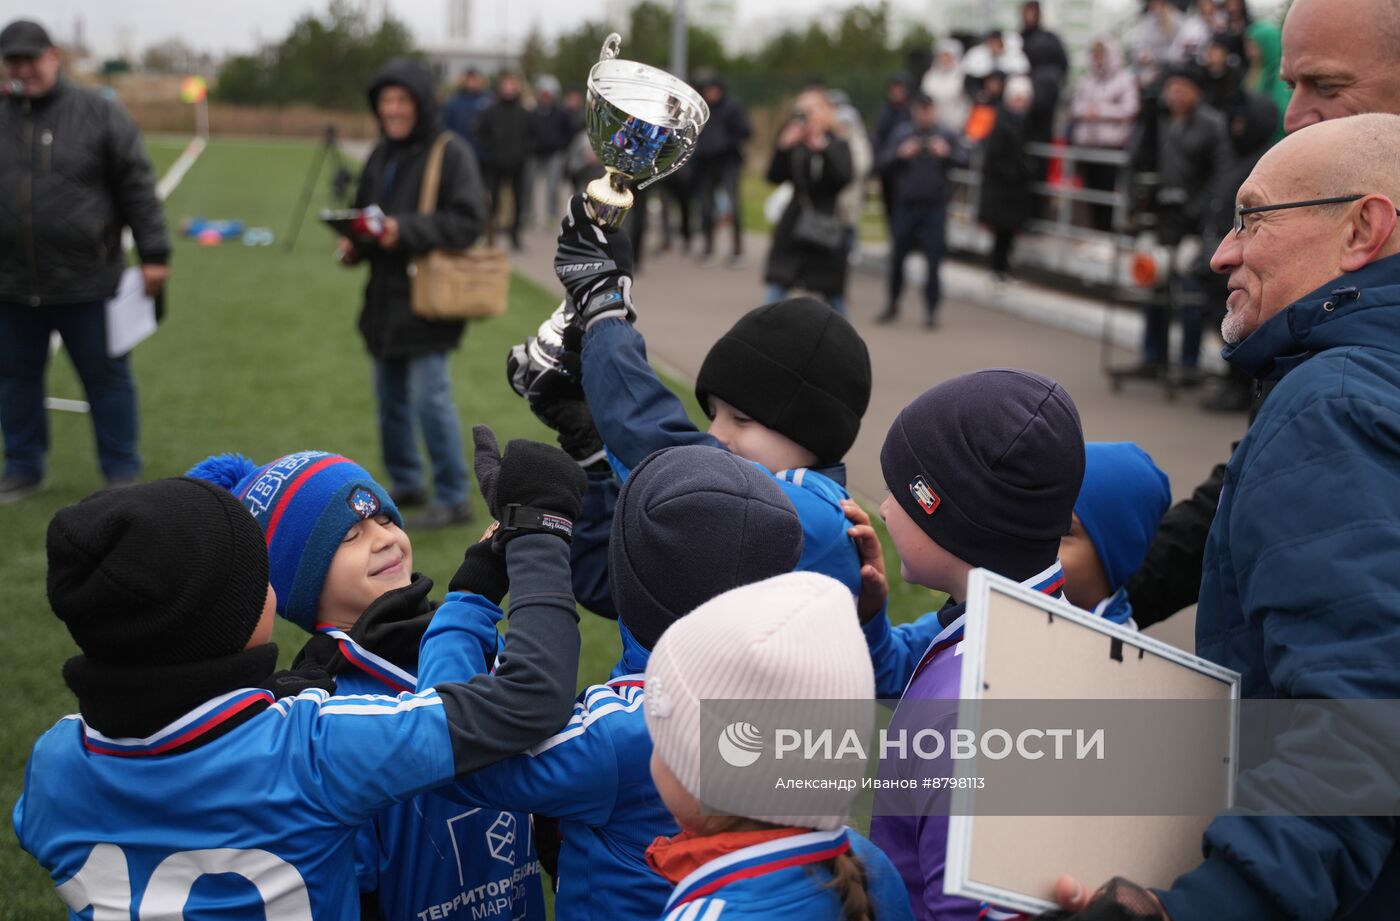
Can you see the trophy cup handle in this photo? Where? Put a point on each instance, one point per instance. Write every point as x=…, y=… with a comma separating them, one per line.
x=611, y=46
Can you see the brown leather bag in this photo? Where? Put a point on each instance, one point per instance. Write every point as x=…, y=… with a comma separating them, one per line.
x=457, y=284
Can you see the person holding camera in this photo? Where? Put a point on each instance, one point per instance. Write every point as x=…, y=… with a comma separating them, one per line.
x=918, y=156
x=809, y=243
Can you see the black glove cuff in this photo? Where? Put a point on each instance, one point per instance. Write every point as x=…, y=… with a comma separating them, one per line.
x=519, y=519
x=483, y=572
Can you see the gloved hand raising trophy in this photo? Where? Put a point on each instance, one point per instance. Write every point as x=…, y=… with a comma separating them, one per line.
x=642, y=123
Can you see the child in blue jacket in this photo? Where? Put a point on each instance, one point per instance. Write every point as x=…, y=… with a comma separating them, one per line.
x=1115, y=520
x=196, y=781
x=741, y=853
x=786, y=387
x=691, y=522
x=342, y=566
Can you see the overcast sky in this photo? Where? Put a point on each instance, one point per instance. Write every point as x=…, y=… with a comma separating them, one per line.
x=120, y=26
x=238, y=25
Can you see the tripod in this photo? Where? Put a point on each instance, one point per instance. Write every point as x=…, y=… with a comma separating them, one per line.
x=340, y=182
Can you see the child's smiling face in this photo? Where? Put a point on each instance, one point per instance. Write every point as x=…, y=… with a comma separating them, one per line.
x=374, y=557
x=752, y=440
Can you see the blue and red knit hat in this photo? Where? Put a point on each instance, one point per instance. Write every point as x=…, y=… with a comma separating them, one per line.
x=304, y=503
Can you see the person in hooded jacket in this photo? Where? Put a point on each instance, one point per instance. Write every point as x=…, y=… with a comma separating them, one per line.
x=506, y=133
x=413, y=382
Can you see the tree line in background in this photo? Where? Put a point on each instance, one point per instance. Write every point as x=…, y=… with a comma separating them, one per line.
x=328, y=59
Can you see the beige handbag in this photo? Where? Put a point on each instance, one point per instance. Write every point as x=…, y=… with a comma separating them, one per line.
x=456, y=284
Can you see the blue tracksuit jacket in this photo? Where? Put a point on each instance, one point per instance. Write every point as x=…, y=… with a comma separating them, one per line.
x=429, y=853
x=595, y=777
x=1301, y=594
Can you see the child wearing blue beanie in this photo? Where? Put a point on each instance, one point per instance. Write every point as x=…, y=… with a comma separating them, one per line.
x=342, y=569
x=1120, y=505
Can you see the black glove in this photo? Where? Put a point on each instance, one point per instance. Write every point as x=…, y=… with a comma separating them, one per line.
x=595, y=267
x=534, y=489
x=1118, y=900
x=483, y=572
x=572, y=421
x=313, y=667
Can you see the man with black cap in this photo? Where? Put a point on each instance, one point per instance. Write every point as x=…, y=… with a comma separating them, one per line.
x=73, y=173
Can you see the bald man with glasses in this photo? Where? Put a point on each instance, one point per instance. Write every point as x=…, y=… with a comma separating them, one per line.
x=1301, y=592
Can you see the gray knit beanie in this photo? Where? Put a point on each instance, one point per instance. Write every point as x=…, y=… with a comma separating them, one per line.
x=691, y=522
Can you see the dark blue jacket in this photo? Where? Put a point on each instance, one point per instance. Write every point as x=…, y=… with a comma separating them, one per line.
x=1301, y=595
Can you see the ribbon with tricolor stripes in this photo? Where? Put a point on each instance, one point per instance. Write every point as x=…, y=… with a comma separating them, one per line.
x=760, y=860
x=1048, y=582
x=377, y=667
x=186, y=729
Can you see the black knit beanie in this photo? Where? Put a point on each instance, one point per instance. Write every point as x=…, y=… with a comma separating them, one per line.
x=989, y=464
x=796, y=366
x=161, y=573
x=691, y=523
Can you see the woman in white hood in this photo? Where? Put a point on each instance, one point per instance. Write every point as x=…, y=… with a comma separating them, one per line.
x=945, y=84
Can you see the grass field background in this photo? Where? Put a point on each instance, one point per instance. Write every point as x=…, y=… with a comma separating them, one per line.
x=259, y=354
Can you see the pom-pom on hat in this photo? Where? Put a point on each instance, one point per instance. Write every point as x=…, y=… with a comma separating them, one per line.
x=693, y=521
x=161, y=573
x=989, y=465
x=799, y=368
x=792, y=637
x=1120, y=505
x=304, y=503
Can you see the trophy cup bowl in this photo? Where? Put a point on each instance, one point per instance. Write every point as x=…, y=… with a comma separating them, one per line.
x=642, y=123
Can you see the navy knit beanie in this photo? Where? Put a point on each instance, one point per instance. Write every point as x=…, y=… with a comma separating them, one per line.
x=304, y=502
x=691, y=523
x=161, y=573
x=989, y=464
x=799, y=368
x=1120, y=505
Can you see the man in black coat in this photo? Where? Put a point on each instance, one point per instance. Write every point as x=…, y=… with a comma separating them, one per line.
x=719, y=162
x=918, y=157
x=506, y=133
x=73, y=173
x=412, y=376
x=1049, y=63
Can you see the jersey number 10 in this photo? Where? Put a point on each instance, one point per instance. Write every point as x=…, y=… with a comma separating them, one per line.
x=104, y=883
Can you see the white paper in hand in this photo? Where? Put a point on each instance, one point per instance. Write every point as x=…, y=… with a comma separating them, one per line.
x=131, y=314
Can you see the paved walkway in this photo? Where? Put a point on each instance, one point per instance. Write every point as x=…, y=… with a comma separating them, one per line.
x=682, y=308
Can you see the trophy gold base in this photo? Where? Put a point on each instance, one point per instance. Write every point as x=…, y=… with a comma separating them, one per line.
x=609, y=200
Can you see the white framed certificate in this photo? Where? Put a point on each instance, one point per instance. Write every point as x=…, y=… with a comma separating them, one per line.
x=1020, y=647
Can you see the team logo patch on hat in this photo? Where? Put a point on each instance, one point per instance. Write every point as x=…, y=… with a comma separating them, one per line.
x=363, y=503
x=928, y=500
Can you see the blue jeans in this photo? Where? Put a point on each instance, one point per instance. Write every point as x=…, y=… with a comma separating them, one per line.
x=836, y=301
x=107, y=381
x=924, y=229
x=416, y=393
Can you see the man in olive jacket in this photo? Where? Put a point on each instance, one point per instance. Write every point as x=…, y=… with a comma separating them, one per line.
x=411, y=369
x=73, y=173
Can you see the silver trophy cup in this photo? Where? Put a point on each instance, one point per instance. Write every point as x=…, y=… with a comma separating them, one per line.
x=642, y=123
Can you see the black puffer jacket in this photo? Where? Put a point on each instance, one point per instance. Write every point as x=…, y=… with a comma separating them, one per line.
x=392, y=179
x=817, y=178
x=73, y=173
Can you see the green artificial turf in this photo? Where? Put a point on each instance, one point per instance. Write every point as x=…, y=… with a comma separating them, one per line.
x=259, y=354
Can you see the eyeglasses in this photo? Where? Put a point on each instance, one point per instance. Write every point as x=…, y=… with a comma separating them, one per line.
x=1241, y=211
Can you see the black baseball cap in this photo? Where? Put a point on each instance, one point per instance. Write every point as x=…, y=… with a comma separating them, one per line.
x=24, y=39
